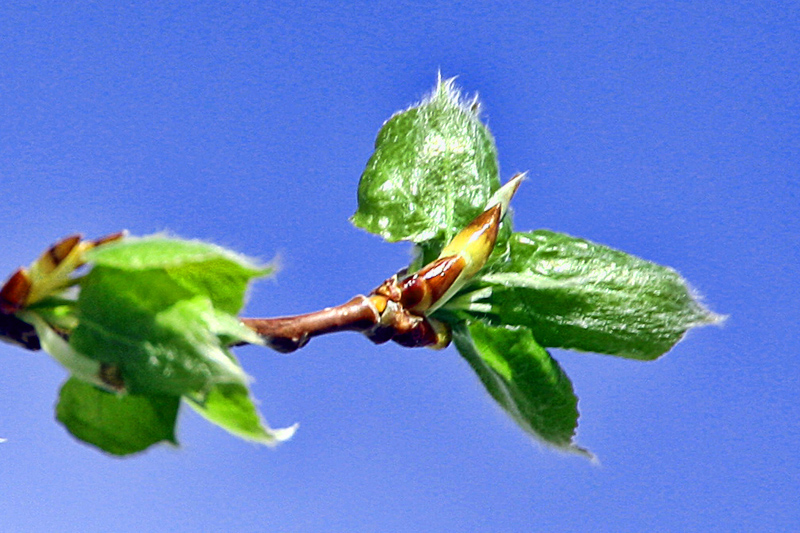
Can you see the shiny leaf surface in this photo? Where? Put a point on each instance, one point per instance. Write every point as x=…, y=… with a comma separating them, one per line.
x=433, y=170
x=576, y=294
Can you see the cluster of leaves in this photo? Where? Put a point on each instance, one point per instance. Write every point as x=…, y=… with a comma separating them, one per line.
x=150, y=330
x=433, y=170
x=150, y=324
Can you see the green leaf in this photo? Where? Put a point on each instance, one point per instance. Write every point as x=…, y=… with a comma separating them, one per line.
x=524, y=379
x=162, y=341
x=162, y=310
x=120, y=425
x=198, y=267
x=229, y=406
x=433, y=170
x=160, y=313
x=79, y=365
x=584, y=296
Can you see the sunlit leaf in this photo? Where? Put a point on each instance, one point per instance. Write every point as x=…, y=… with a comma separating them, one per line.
x=433, y=170
x=161, y=346
x=163, y=311
x=576, y=294
x=198, y=267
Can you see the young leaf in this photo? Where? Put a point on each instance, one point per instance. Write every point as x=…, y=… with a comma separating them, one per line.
x=433, y=170
x=524, y=379
x=117, y=424
x=200, y=268
x=162, y=341
x=229, y=406
x=584, y=296
x=79, y=365
x=162, y=311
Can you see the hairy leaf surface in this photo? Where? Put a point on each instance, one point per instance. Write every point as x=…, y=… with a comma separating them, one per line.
x=576, y=294
x=433, y=170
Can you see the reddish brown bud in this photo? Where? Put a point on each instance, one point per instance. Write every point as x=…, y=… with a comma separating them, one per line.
x=15, y=292
x=426, y=287
x=426, y=332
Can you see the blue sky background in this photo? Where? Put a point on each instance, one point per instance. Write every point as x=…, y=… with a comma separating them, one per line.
x=668, y=131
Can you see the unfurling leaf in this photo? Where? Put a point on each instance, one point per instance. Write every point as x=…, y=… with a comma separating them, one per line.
x=163, y=311
x=524, y=379
x=198, y=267
x=163, y=340
x=576, y=294
x=229, y=406
x=117, y=424
x=153, y=319
x=433, y=170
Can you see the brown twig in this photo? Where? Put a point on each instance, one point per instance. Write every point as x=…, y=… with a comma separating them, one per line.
x=379, y=318
x=287, y=334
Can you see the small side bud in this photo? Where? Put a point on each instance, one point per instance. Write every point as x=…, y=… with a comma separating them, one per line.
x=51, y=272
x=15, y=292
x=425, y=333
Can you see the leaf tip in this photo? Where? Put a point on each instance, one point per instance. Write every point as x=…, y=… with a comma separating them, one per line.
x=447, y=92
x=713, y=319
x=703, y=316
x=504, y=194
x=574, y=449
x=283, y=434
